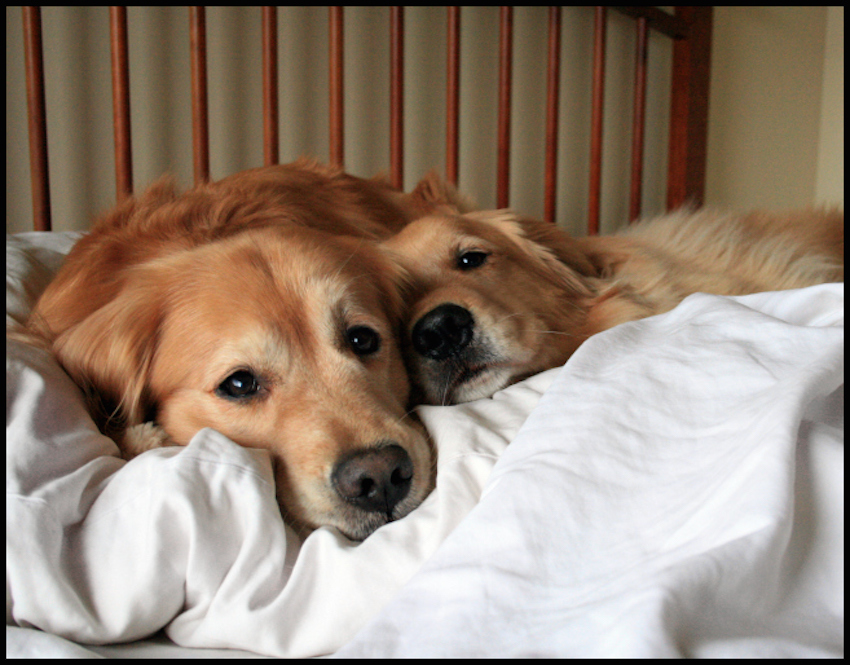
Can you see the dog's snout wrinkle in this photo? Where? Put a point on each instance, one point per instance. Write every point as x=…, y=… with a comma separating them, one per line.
x=374, y=479
x=443, y=332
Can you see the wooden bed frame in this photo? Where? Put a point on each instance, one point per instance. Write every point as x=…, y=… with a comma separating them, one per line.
x=689, y=27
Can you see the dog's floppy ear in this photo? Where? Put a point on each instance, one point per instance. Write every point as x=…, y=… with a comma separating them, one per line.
x=102, y=326
x=441, y=195
x=109, y=354
x=606, y=253
x=549, y=246
x=560, y=243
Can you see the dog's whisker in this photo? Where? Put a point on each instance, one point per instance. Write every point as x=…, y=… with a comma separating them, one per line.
x=406, y=415
x=512, y=315
x=444, y=397
x=555, y=332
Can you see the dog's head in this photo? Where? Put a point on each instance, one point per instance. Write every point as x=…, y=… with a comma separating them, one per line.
x=494, y=298
x=280, y=337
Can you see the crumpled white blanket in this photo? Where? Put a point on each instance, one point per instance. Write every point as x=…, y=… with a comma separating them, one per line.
x=677, y=491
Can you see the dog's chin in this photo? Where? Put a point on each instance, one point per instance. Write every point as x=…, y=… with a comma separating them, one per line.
x=360, y=529
x=354, y=523
x=363, y=525
x=469, y=383
x=357, y=529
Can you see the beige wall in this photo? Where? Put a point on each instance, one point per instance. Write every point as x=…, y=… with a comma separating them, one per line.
x=829, y=187
x=776, y=118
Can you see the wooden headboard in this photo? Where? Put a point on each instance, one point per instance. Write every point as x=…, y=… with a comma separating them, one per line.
x=688, y=27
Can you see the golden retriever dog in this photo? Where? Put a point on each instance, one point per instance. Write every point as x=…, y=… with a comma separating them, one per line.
x=497, y=297
x=259, y=306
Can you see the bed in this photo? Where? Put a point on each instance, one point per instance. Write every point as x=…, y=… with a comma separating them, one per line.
x=676, y=489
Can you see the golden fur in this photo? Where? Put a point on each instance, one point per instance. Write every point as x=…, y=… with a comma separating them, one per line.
x=258, y=306
x=496, y=297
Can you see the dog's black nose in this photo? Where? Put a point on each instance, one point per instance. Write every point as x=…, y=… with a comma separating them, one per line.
x=443, y=331
x=374, y=479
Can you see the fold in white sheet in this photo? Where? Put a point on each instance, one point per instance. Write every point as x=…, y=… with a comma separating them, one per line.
x=678, y=491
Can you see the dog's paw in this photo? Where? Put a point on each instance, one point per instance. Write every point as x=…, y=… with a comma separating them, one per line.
x=139, y=438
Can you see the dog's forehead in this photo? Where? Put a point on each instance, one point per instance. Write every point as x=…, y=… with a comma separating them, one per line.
x=490, y=226
x=263, y=305
x=424, y=240
x=431, y=244
x=292, y=279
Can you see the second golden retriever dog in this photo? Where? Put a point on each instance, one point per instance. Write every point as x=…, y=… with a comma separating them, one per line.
x=258, y=306
x=498, y=297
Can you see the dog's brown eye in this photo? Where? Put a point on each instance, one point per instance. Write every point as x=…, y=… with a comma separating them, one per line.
x=471, y=259
x=363, y=340
x=239, y=385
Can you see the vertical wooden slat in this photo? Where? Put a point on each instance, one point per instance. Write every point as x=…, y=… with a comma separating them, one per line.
x=552, y=95
x=121, y=102
x=200, y=113
x=397, y=96
x=271, y=140
x=689, y=109
x=453, y=94
x=596, y=121
x=336, y=86
x=639, y=120
x=37, y=119
x=504, y=121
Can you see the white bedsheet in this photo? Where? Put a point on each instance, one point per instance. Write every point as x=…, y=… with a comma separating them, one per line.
x=678, y=490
